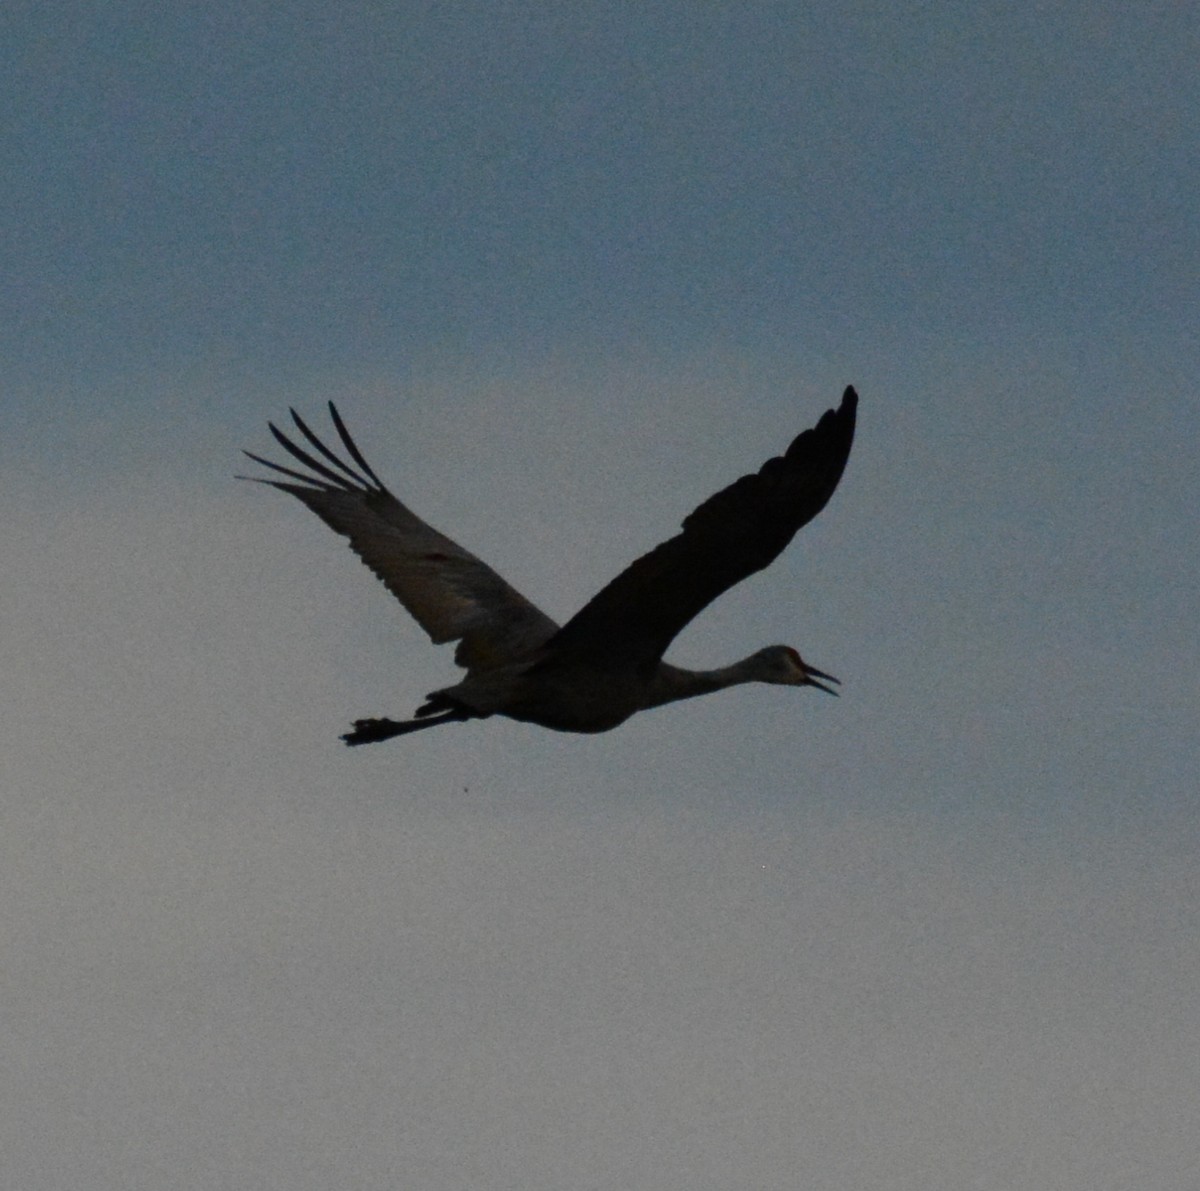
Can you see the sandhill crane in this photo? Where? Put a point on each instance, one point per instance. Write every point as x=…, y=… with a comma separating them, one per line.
x=605, y=663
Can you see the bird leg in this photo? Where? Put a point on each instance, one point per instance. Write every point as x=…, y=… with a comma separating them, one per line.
x=370, y=731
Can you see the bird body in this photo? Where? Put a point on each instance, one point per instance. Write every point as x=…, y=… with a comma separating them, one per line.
x=605, y=664
x=567, y=699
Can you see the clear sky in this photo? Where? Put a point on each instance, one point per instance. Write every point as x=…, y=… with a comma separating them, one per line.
x=568, y=269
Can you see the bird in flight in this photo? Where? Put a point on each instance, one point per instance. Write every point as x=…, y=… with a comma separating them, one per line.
x=606, y=662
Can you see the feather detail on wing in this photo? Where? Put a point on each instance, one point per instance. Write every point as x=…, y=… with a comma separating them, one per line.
x=450, y=593
x=734, y=533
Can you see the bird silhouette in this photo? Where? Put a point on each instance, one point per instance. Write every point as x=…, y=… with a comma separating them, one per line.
x=606, y=662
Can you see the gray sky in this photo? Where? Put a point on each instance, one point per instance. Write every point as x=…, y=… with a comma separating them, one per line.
x=567, y=270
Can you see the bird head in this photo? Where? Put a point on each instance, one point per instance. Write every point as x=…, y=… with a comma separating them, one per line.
x=783, y=665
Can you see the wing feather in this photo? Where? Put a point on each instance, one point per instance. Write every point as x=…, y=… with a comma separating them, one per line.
x=451, y=594
x=739, y=530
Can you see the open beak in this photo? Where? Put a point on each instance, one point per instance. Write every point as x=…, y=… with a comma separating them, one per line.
x=811, y=673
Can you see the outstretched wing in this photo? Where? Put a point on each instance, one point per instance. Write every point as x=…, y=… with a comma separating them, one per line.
x=740, y=530
x=449, y=592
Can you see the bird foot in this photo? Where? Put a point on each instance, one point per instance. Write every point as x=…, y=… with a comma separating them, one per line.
x=374, y=730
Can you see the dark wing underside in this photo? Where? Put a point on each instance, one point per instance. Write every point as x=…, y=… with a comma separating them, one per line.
x=449, y=592
x=740, y=530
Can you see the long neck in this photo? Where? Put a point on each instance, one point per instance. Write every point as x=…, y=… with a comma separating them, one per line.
x=671, y=683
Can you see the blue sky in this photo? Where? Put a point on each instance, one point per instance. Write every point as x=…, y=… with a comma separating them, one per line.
x=254, y=185
x=567, y=270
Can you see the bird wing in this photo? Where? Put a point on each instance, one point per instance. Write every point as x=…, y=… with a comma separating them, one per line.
x=451, y=594
x=738, y=531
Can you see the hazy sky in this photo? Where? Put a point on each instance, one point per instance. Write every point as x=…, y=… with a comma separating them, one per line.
x=567, y=269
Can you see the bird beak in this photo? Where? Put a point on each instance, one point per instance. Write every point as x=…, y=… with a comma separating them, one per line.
x=811, y=674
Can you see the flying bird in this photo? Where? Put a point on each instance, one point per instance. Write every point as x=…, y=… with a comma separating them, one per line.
x=606, y=662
